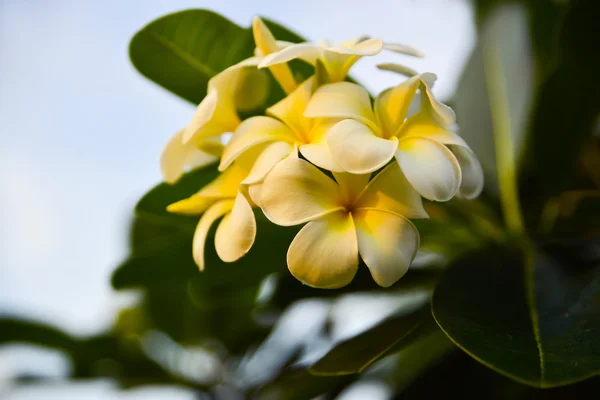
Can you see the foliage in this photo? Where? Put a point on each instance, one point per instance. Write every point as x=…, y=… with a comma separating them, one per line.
x=517, y=287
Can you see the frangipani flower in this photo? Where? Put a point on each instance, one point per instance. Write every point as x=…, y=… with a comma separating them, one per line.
x=338, y=58
x=437, y=162
x=286, y=130
x=345, y=218
x=224, y=197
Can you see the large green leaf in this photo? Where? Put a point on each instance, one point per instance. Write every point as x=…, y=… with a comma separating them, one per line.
x=13, y=330
x=182, y=51
x=353, y=355
x=536, y=321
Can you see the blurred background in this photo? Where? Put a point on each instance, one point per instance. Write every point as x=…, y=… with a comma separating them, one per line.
x=81, y=132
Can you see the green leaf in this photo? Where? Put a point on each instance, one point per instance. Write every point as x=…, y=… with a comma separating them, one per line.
x=182, y=51
x=14, y=330
x=353, y=355
x=535, y=321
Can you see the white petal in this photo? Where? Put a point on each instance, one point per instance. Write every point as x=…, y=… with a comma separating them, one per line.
x=252, y=132
x=308, y=52
x=387, y=243
x=295, y=191
x=176, y=157
x=324, y=254
x=400, y=69
x=204, y=112
x=351, y=185
x=236, y=232
x=430, y=167
x=472, y=173
x=342, y=100
x=267, y=159
x=357, y=149
x=423, y=125
x=208, y=218
x=368, y=47
x=403, y=49
x=444, y=114
x=390, y=191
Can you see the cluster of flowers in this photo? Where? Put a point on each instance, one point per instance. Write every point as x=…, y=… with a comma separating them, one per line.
x=276, y=162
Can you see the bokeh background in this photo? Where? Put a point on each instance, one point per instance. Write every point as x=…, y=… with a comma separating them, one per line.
x=81, y=133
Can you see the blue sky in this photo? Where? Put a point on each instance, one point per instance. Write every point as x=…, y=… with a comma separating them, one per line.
x=81, y=132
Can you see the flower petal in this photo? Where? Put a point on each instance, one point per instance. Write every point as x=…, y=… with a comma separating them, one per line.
x=444, y=114
x=193, y=205
x=236, y=232
x=398, y=68
x=210, y=216
x=351, y=185
x=204, y=112
x=387, y=243
x=472, y=173
x=390, y=191
x=324, y=254
x=367, y=47
x=391, y=106
x=403, y=49
x=318, y=153
x=423, y=125
x=271, y=155
x=342, y=100
x=176, y=157
x=357, y=149
x=295, y=191
x=430, y=167
x=254, y=192
x=251, y=132
x=290, y=110
x=308, y=52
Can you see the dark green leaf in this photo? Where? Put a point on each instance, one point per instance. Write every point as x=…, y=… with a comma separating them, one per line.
x=544, y=330
x=13, y=330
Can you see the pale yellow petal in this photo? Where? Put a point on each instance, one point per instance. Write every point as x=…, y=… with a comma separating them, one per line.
x=357, y=149
x=351, y=185
x=367, y=47
x=254, y=193
x=210, y=216
x=472, y=173
x=227, y=183
x=308, y=52
x=391, y=106
x=390, y=191
x=290, y=110
x=204, y=112
x=324, y=254
x=176, y=157
x=226, y=81
x=387, y=243
x=342, y=100
x=295, y=192
x=423, y=125
x=430, y=167
x=236, y=232
x=318, y=153
x=398, y=68
x=444, y=114
x=252, y=132
x=403, y=49
x=271, y=155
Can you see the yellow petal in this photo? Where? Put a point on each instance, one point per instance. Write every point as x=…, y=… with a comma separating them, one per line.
x=472, y=173
x=176, y=157
x=236, y=232
x=441, y=112
x=398, y=68
x=295, y=191
x=387, y=243
x=367, y=47
x=252, y=132
x=390, y=191
x=214, y=116
x=308, y=52
x=357, y=149
x=324, y=254
x=403, y=49
x=351, y=185
x=430, y=167
x=423, y=125
x=254, y=193
x=210, y=216
x=342, y=100
x=193, y=205
x=266, y=44
x=340, y=58
x=271, y=155
x=290, y=110
x=391, y=106
x=318, y=153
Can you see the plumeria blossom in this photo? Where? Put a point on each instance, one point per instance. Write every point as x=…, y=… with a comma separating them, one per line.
x=217, y=112
x=436, y=161
x=346, y=217
x=285, y=130
x=225, y=197
x=336, y=58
